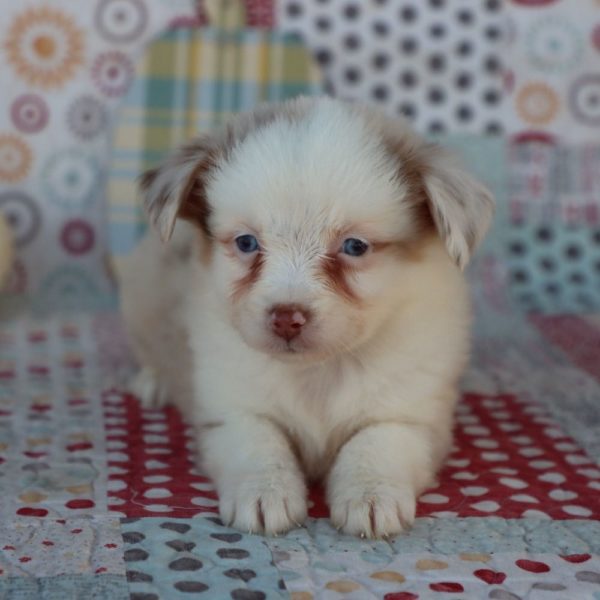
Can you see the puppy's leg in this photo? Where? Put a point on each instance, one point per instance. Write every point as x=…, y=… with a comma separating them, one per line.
x=377, y=476
x=261, y=487
x=147, y=387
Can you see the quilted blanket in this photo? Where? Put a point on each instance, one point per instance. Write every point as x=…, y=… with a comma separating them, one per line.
x=101, y=498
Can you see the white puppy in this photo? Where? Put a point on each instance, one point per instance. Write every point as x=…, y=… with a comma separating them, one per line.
x=312, y=317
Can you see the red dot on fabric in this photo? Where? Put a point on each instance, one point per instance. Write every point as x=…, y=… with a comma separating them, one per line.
x=576, y=558
x=28, y=511
x=533, y=566
x=8, y=548
x=25, y=559
x=401, y=596
x=110, y=545
x=61, y=521
x=76, y=530
x=48, y=543
x=79, y=446
x=446, y=586
x=101, y=570
x=80, y=503
x=489, y=576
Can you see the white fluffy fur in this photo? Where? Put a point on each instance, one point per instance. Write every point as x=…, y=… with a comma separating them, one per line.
x=366, y=400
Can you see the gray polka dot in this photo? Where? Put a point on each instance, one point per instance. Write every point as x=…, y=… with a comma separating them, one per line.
x=243, y=594
x=185, y=564
x=243, y=574
x=138, y=576
x=549, y=587
x=134, y=554
x=232, y=553
x=191, y=586
x=181, y=546
x=133, y=537
x=226, y=537
x=178, y=527
x=588, y=576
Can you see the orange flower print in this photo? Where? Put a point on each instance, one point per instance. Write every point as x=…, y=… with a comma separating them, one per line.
x=15, y=158
x=44, y=47
x=537, y=103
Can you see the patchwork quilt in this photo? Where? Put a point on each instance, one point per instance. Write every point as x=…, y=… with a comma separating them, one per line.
x=101, y=498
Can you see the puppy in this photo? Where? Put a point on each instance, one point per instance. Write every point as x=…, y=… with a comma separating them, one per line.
x=310, y=313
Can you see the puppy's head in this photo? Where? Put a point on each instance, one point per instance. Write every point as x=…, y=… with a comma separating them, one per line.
x=313, y=212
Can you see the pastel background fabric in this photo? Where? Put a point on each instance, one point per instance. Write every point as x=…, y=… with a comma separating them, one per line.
x=100, y=498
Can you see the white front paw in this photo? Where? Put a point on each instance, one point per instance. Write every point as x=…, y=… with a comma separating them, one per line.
x=147, y=388
x=270, y=501
x=372, y=509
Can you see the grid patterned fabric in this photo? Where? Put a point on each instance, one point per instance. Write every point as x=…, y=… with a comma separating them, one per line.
x=189, y=82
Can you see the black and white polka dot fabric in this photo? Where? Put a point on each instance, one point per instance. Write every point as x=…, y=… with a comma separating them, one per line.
x=436, y=61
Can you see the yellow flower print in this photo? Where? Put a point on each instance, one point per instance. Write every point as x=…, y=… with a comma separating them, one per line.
x=15, y=158
x=44, y=46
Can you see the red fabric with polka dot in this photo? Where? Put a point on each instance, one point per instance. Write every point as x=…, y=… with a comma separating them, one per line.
x=510, y=460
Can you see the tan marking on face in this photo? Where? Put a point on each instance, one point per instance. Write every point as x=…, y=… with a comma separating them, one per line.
x=242, y=286
x=336, y=272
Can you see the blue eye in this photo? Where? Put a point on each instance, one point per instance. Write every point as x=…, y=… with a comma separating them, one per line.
x=354, y=247
x=247, y=243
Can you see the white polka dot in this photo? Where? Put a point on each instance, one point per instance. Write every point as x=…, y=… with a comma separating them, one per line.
x=115, y=485
x=522, y=440
x=494, y=456
x=203, y=486
x=566, y=447
x=198, y=501
x=577, y=459
x=500, y=414
x=155, y=464
x=157, y=493
x=434, y=499
x=152, y=438
x=595, y=485
x=444, y=514
x=476, y=430
x=562, y=495
x=578, y=511
x=159, y=450
x=589, y=473
x=553, y=432
x=117, y=513
x=458, y=463
x=552, y=478
x=465, y=476
x=114, y=421
x=474, y=490
x=532, y=513
x=194, y=471
x=115, y=445
x=115, y=501
x=118, y=431
x=463, y=409
x=467, y=419
x=509, y=427
x=113, y=398
x=541, y=464
x=493, y=404
x=158, y=508
x=156, y=478
x=504, y=470
x=486, y=506
x=117, y=457
x=117, y=470
x=485, y=443
x=511, y=482
x=525, y=498
x=530, y=452
x=154, y=427
x=154, y=415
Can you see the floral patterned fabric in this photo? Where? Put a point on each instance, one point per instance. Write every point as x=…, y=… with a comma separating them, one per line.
x=64, y=69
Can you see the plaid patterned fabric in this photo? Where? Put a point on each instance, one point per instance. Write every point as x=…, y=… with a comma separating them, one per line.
x=189, y=82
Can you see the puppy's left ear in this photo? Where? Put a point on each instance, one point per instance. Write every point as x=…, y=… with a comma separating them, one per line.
x=177, y=187
x=461, y=207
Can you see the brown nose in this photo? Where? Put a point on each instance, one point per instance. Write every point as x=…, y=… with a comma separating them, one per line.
x=287, y=320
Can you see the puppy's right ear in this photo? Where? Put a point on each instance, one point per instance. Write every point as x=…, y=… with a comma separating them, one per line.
x=177, y=187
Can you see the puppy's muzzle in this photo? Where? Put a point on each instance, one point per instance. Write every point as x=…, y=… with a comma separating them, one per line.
x=287, y=320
